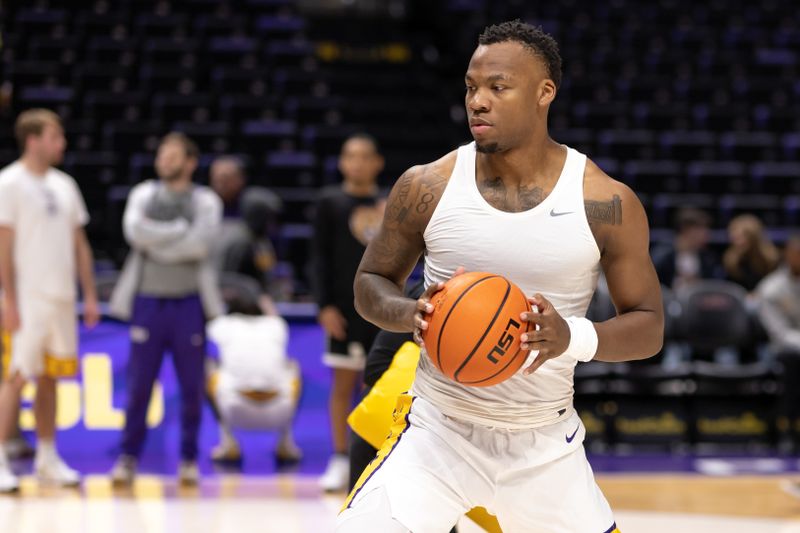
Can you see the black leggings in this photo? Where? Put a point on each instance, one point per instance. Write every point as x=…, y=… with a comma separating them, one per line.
x=361, y=453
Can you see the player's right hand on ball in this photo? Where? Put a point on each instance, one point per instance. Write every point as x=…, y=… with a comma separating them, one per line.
x=424, y=308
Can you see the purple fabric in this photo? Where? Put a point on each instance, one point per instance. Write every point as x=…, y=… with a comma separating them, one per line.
x=158, y=325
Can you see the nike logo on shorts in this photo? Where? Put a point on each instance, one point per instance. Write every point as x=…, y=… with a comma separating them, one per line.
x=570, y=438
x=553, y=213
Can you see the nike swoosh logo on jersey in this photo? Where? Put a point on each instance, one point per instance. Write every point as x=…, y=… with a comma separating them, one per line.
x=570, y=438
x=553, y=213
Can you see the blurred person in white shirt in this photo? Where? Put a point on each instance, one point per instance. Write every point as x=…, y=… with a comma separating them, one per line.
x=254, y=386
x=43, y=251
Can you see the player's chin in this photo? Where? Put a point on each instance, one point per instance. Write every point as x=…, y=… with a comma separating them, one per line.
x=485, y=146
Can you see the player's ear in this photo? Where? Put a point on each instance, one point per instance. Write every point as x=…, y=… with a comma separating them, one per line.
x=192, y=165
x=547, y=92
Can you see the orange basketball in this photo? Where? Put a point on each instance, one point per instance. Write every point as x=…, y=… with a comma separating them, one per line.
x=473, y=332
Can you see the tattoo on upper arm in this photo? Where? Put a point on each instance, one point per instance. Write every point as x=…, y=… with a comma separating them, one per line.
x=609, y=212
x=415, y=192
x=410, y=205
x=398, y=211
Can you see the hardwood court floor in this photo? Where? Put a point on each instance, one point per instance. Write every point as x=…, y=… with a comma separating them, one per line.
x=643, y=503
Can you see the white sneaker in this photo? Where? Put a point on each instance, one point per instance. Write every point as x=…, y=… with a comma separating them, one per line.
x=791, y=487
x=188, y=473
x=227, y=452
x=336, y=475
x=53, y=470
x=8, y=481
x=123, y=471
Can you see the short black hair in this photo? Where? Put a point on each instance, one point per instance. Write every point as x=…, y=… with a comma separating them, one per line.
x=239, y=304
x=532, y=37
x=363, y=136
x=690, y=217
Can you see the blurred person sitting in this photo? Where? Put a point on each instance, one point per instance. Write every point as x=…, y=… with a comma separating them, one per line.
x=751, y=255
x=244, y=245
x=779, y=310
x=688, y=257
x=254, y=385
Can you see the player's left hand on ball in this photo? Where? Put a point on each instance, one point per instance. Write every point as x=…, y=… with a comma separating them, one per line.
x=550, y=338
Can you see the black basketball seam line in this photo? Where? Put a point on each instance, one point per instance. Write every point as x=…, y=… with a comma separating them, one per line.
x=450, y=312
x=528, y=325
x=486, y=331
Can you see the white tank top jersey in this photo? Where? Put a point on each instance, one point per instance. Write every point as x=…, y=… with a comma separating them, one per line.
x=549, y=249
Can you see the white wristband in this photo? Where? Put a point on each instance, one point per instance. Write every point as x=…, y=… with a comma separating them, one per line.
x=583, y=339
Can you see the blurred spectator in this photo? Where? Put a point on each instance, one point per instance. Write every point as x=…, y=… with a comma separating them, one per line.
x=688, y=258
x=227, y=178
x=167, y=289
x=751, y=255
x=43, y=252
x=779, y=298
x=255, y=386
x=244, y=245
x=346, y=218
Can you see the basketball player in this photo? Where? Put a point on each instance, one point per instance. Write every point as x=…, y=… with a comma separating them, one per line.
x=516, y=203
x=255, y=385
x=43, y=248
x=167, y=290
x=346, y=218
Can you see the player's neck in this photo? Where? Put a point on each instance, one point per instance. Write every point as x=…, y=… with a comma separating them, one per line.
x=34, y=165
x=178, y=186
x=358, y=189
x=529, y=164
x=684, y=244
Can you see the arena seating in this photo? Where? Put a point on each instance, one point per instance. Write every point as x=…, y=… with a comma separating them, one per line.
x=691, y=103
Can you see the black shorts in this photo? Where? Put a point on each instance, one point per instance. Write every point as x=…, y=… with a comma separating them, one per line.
x=351, y=353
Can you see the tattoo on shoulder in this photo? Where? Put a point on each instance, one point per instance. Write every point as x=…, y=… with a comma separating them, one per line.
x=398, y=211
x=415, y=193
x=609, y=212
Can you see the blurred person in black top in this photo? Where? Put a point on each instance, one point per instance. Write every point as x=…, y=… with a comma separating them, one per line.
x=346, y=218
x=687, y=258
